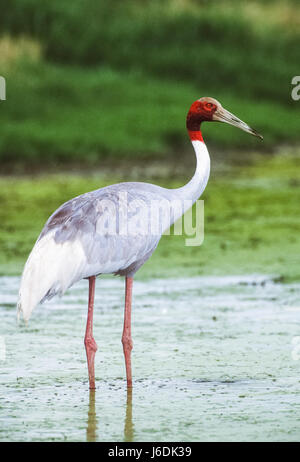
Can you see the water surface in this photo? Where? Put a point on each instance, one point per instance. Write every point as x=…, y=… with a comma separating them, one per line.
x=214, y=359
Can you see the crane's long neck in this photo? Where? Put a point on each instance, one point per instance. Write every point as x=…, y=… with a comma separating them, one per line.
x=195, y=187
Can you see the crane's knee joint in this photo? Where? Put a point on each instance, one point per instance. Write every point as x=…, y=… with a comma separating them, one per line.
x=127, y=342
x=90, y=344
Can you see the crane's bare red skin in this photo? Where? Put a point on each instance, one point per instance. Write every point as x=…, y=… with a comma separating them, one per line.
x=126, y=337
x=195, y=135
x=200, y=111
x=89, y=341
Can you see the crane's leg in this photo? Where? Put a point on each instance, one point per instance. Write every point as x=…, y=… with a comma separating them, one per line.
x=89, y=341
x=126, y=337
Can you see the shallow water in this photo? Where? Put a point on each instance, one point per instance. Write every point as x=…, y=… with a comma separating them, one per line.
x=213, y=359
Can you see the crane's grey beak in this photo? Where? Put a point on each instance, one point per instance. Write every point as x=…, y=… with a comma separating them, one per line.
x=221, y=115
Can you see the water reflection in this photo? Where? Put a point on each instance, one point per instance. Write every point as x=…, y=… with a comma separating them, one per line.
x=92, y=422
x=91, y=430
x=128, y=424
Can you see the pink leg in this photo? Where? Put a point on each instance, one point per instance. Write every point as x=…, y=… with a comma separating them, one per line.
x=89, y=341
x=126, y=337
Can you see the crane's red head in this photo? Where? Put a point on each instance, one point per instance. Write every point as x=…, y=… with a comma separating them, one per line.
x=208, y=109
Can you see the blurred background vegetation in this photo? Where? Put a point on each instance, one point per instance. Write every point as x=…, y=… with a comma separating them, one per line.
x=104, y=87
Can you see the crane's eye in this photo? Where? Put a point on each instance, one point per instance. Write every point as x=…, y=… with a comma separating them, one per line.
x=209, y=105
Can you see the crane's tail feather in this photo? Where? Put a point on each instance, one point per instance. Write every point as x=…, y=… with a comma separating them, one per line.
x=50, y=269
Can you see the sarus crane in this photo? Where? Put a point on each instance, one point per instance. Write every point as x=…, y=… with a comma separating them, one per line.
x=110, y=231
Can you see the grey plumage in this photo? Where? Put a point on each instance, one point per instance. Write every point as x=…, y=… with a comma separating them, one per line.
x=78, y=218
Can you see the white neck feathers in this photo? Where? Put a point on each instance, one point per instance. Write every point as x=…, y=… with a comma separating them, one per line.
x=195, y=187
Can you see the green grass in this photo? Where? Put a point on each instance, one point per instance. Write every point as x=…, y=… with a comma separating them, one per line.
x=115, y=79
x=252, y=218
x=56, y=114
x=211, y=41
